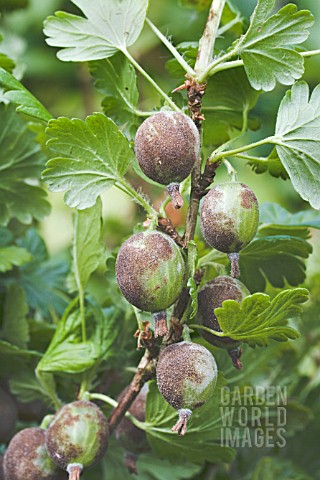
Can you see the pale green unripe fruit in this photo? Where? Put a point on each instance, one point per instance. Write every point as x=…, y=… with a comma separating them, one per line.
x=78, y=434
x=150, y=271
x=229, y=217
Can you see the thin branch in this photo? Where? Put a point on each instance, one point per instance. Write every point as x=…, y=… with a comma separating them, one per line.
x=207, y=41
x=219, y=155
x=146, y=371
x=169, y=101
x=310, y=53
x=189, y=70
x=195, y=94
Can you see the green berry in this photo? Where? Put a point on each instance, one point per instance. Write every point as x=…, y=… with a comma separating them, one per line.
x=229, y=217
x=150, y=271
x=78, y=436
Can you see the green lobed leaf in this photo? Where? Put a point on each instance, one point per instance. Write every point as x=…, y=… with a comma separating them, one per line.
x=276, y=258
x=257, y=319
x=202, y=441
x=189, y=52
x=269, y=468
x=25, y=385
x=67, y=352
x=88, y=249
x=92, y=156
x=15, y=328
x=21, y=159
x=6, y=63
x=107, y=329
x=276, y=220
x=12, y=256
x=32, y=242
x=228, y=109
x=149, y=466
x=6, y=237
x=17, y=94
x=266, y=48
x=108, y=27
x=271, y=164
x=49, y=296
x=116, y=79
x=297, y=140
x=8, y=349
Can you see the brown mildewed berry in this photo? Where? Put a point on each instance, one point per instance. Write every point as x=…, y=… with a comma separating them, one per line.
x=26, y=458
x=167, y=145
x=210, y=297
x=186, y=377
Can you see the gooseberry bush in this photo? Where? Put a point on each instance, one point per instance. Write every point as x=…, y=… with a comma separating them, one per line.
x=119, y=358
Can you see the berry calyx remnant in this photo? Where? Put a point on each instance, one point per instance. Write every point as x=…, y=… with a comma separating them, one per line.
x=167, y=146
x=210, y=297
x=77, y=437
x=229, y=219
x=186, y=377
x=150, y=272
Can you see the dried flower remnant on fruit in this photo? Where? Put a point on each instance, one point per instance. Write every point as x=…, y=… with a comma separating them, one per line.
x=77, y=437
x=150, y=273
x=210, y=297
x=26, y=458
x=131, y=438
x=186, y=377
x=229, y=219
x=167, y=146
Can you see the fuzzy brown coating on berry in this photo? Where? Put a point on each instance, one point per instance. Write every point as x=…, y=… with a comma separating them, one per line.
x=167, y=145
x=26, y=458
x=211, y=296
x=8, y=416
x=186, y=375
x=78, y=434
x=229, y=217
x=150, y=271
x=130, y=437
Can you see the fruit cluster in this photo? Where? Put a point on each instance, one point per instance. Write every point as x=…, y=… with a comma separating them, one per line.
x=151, y=270
x=151, y=273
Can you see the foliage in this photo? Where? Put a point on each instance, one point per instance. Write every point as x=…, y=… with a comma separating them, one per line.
x=66, y=331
